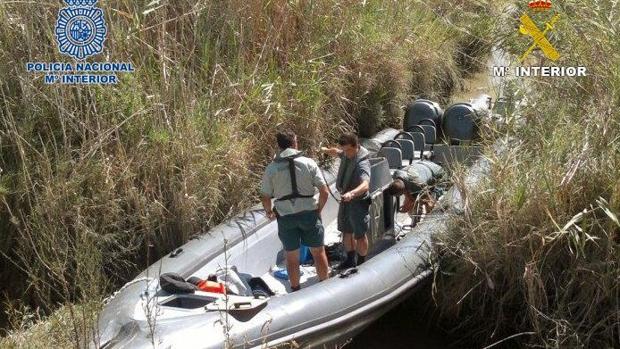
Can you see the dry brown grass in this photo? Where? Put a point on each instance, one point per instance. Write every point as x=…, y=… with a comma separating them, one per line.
x=98, y=182
x=537, y=256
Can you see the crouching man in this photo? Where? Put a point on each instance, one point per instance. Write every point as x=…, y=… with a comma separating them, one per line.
x=416, y=182
x=291, y=179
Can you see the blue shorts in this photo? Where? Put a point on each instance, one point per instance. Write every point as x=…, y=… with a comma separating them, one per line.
x=304, y=227
x=354, y=217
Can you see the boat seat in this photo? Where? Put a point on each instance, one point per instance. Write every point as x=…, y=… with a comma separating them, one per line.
x=430, y=133
x=393, y=156
x=404, y=135
x=428, y=122
x=418, y=142
x=407, y=150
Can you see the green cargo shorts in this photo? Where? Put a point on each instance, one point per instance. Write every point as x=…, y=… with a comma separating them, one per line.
x=304, y=227
x=354, y=217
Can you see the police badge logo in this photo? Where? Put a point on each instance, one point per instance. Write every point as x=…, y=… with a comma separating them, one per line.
x=81, y=29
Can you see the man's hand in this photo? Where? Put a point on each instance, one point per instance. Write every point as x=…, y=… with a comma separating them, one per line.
x=266, y=200
x=359, y=191
x=270, y=214
x=331, y=151
x=347, y=197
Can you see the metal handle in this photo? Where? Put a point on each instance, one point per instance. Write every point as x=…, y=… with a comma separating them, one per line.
x=392, y=142
x=407, y=136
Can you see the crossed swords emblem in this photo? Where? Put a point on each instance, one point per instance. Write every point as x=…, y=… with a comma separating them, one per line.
x=528, y=27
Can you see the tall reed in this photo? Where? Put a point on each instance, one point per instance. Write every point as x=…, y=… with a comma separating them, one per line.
x=97, y=182
x=535, y=261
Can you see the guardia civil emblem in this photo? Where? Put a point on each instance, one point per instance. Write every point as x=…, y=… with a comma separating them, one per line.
x=80, y=29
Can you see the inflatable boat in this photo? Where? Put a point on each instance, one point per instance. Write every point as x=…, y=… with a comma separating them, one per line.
x=142, y=315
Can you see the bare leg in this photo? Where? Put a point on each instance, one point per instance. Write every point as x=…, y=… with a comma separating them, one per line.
x=349, y=248
x=349, y=242
x=320, y=261
x=292, y=267
x=362, y=246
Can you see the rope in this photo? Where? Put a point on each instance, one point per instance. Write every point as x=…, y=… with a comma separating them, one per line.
x=329, y=189
x=325, y=180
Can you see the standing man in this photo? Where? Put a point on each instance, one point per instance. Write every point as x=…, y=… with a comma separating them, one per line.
x=291, y=179
x=353, y=182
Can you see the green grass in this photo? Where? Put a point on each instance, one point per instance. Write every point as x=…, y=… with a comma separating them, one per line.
x=537, y=255
x=99, y=182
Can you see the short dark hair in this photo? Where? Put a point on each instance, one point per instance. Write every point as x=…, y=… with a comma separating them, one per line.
x=285, y=139
x=397, y=188
x=348, y=139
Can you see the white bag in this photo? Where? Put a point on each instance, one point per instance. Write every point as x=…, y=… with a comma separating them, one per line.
x=230, y=277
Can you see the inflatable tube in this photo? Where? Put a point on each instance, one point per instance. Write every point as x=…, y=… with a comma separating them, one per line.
x=325, y=313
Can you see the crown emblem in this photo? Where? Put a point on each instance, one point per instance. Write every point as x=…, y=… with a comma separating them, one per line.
x=81, y=3
x=541, y=5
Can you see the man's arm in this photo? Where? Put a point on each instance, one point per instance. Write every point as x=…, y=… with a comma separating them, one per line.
x=323, y=196
x=319, y=182
x=364, y=175
x=266, y=200
x=266, y=193
x=359, y=191
x=333, y=152
x=408, y=204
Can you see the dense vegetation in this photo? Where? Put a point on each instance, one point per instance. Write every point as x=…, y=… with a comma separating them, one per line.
x=98, y=182
x=537, y=255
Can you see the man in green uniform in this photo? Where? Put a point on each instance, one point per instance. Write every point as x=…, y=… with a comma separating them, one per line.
x=291, y=179
x=353, y=182
x=415, y=182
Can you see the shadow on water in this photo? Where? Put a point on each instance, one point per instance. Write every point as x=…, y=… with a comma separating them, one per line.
x=409, y=325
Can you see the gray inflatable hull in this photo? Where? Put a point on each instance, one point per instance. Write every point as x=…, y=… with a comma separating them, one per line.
x=329, y=312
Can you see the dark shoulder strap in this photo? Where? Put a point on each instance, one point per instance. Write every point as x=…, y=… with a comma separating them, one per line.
x=294, y=190
x=291, y=170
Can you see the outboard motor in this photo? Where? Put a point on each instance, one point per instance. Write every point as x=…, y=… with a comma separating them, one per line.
x=422, y=109
x=461, y=120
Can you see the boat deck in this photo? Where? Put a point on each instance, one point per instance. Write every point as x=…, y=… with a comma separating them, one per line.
x=309, y=276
